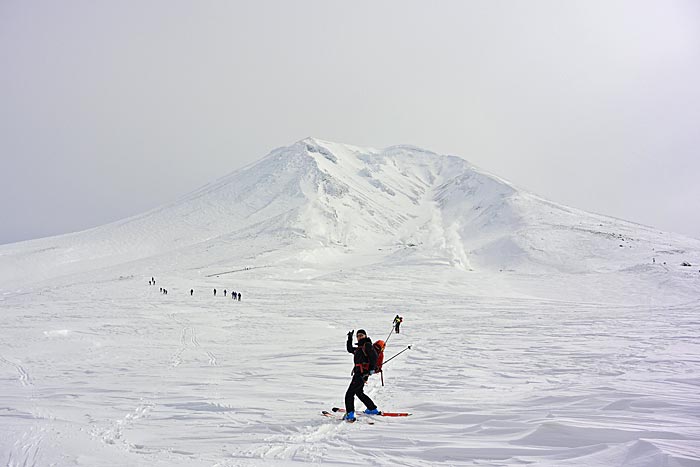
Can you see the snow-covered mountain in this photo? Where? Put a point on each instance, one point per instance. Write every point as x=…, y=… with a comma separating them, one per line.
x=539, y=334
x=327, y=203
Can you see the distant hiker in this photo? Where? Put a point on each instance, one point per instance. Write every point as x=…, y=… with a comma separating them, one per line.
x=365, y=360
x=191, y=292
x=224, y=292
x=239, y=296
x=215, y=292
x=397, y=323
x=161, y=290
x=149, y=282
x=653, y=260
x=233, y=295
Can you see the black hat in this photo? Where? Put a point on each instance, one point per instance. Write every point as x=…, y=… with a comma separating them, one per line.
x=361, y=331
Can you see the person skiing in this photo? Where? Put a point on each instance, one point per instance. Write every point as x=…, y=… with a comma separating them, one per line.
x=397, y=322
x=191, y=292
x=239, y=296
x=365, y=360
x=215, y=292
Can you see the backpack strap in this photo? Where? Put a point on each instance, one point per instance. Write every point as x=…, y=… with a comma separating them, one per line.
x=363, y=367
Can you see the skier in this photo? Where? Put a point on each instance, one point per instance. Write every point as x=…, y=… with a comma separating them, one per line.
x=215, y=292
x=191, y=292
x=397, y=322
x=239, y=296
x=224, y=292
x=365, y=359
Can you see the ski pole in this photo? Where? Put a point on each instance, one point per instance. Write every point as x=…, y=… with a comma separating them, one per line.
x=387, y=361
x=390, y=333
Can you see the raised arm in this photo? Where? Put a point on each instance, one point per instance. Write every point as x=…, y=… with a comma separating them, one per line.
x=350, y=347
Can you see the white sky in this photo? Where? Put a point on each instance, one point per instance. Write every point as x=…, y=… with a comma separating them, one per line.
x=108, y=109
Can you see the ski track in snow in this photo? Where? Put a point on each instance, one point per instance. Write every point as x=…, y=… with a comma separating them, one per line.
x=22, y=374
x=188, y=339
x=26, y=451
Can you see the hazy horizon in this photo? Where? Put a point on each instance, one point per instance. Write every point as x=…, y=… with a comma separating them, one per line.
x=110, y=110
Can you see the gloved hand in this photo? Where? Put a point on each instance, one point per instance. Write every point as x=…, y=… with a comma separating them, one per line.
x=371, y=372
x=350, y=334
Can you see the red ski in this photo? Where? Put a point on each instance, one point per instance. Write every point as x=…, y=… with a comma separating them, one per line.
x=336, y=417
x=380, y=414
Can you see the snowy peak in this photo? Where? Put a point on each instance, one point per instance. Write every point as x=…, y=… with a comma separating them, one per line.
x=358, y=196
x=416, y=204
x=321, y=202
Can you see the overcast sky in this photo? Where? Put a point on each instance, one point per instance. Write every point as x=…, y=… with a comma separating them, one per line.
x=108, y=109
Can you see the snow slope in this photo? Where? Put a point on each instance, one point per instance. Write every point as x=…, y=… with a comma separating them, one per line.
x=316, y=194
x=540, y=334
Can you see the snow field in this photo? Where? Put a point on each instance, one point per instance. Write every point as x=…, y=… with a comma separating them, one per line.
x=148, y=379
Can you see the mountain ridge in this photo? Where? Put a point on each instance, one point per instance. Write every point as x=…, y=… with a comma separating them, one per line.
x=316, y=194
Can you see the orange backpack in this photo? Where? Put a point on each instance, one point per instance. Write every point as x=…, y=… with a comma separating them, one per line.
x=379, y=348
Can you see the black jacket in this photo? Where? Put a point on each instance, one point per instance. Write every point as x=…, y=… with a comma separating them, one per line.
x=365, y=356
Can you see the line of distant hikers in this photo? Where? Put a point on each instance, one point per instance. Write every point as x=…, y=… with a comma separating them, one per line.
x=234, y=295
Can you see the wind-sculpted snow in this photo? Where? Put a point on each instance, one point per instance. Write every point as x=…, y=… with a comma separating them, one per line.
x=540, y=334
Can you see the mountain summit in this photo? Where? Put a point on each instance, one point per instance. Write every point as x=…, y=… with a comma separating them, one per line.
x=404, y=204
x=318, y=203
